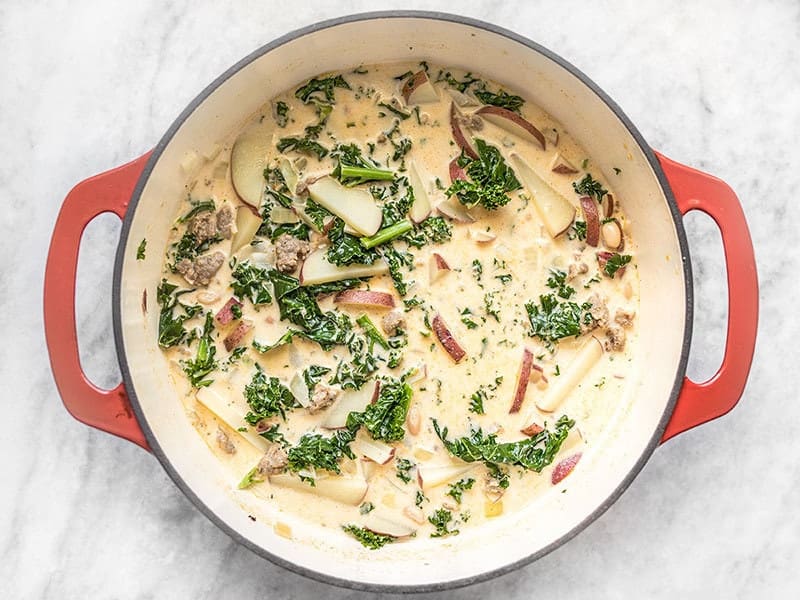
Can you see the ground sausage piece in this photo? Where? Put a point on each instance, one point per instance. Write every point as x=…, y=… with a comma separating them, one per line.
x=200, y=270
x=392, y=321
x=577, y=268
x=615, y=339
x=274, y=461
x=492, y=488
x=599, y=313
x=289, y=251
x=203, y=226
x=224, y=442
x=322, y=398
x=624, y=317
x=224, y=222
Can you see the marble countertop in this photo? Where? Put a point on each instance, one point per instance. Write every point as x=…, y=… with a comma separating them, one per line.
x=87, y=86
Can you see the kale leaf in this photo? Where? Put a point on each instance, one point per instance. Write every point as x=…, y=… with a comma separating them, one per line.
x=267, y=397
x=491, y=179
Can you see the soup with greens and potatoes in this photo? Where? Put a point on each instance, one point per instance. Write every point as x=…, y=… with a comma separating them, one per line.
x=397, y=303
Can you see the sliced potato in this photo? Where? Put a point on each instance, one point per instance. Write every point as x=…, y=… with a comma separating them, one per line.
x=316, y=269
x=230, y=414
x=248, y=161
x=571, y=375
x=421, y=207
x=431, y=476
x=248, y=222
x=555, y=211
x=347, y=490
x=355, y=206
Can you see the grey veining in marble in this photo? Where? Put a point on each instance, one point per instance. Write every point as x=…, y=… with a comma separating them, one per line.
x=87, y=86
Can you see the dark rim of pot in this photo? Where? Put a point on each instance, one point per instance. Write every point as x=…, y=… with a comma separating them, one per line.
x=123, y=359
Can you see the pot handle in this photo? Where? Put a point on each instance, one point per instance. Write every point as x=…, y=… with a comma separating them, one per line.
x=702, y=402
x=107, y=410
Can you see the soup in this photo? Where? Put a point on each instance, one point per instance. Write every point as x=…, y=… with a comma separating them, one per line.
x=398, y=303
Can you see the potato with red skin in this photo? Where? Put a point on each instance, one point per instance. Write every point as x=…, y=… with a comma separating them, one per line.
x=237, y=335
x=446, y=338
x=456, y=171
x=418, y=89
x=564, y=468
x=371, y=298
x=532, y=430
x=438, y=267
x=592, y=218
x=458, y=134
x=225, y=314
x=513, y=123
x=523, y=377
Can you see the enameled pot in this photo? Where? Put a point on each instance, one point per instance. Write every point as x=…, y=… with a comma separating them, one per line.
x=658, y=192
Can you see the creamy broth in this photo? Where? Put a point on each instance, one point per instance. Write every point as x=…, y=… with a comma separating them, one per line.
x=498, y=260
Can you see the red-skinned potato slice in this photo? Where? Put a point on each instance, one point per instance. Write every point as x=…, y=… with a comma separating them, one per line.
x=374, y=450
x=611, y=232
x=513, y=123
x=418, y=89
x=225, y=314
x=456, y=172
x=438, y=267
x=523, y=377
x=564, y=468
x=446, y=338
x=237, y=335
x=458, y=133
x=561, y=165
x=371, y=298
x=592, y=219
x=608, y=206
x=532, y=430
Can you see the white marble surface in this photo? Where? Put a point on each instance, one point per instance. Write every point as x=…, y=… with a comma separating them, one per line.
x=86, y=86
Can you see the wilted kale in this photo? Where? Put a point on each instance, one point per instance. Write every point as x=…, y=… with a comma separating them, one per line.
x=170, y=326
x=590, y=187
x=491, y=179
x=267, y=397
x=533, y=453
x=198, y=206
x=251, y=281
x=368, y=539
x=317, y=214
x=312, y=375
x=281, y=113
x=552, y=320
x=396, y=260
x=353, y=168
x=385, y=417
x=346, y=249
x=441, y=519
x=458, y=488
x=363, y=364
x=558, y=281
x=140, y=251
x=321, y=89
x=198, y=369
x=318, y=452
x=615, y=263
x=502, y=99
x=403, y=467
x=303, y=146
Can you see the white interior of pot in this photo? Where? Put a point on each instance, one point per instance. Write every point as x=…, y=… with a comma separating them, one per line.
x=608, y=142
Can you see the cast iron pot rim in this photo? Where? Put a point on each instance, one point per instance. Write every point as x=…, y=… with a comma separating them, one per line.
x=123, y=359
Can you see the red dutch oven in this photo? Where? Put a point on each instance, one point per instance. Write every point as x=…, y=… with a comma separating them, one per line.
x=657, y=193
